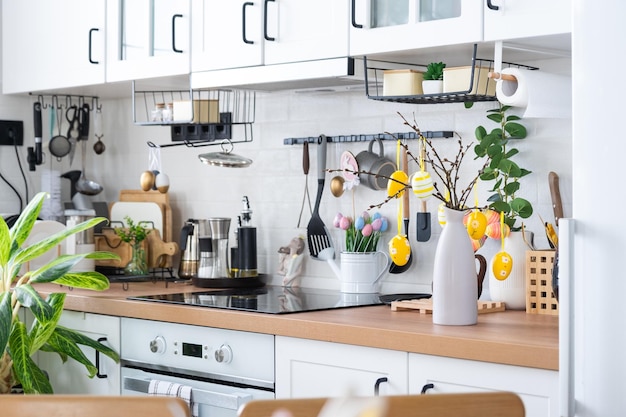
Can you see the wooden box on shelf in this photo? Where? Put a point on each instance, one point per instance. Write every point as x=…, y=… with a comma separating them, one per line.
x=402, y=82
x=540, y=298
x=460, y=79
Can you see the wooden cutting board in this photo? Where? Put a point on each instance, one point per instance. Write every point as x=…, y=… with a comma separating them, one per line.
x=162, y=199
x=148, y=214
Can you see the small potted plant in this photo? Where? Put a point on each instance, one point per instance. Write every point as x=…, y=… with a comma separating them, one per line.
x=134, y=234
x=433, y=78
x=17, y=342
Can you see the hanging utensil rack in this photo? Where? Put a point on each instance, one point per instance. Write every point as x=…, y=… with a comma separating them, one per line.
x=369, y=137
x=374, y=91
x=64, y=101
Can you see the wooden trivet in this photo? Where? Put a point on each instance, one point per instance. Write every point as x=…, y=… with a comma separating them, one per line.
x=425, y=306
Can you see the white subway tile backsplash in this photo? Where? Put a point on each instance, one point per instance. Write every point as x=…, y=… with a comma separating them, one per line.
x=274, y=183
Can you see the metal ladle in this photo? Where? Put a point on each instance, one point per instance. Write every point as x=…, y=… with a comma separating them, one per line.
x=83, y=185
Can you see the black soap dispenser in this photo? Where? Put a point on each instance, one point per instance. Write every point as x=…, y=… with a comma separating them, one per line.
x=246, y=235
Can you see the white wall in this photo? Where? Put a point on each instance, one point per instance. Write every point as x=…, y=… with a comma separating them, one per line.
x=275, y=182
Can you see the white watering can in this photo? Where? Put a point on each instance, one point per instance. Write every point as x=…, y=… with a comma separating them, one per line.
x=360, y=272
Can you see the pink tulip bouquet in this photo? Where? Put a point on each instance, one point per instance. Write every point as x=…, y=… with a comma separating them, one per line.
x=362, y=234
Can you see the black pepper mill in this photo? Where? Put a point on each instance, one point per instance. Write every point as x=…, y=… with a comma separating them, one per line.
x=246, y=235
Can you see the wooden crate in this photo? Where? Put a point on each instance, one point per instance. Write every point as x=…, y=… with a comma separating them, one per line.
x=540, y=298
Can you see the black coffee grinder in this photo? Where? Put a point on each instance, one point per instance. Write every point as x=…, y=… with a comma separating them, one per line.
x=246, y=238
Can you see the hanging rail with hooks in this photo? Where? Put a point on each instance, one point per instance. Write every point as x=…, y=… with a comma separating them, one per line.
x=56, y=100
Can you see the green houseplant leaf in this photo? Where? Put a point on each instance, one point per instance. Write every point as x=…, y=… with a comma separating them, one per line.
x=501, y=168
x=17, y=291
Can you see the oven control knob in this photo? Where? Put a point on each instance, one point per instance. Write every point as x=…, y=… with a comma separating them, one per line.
x=224, y=354
x=157, y=345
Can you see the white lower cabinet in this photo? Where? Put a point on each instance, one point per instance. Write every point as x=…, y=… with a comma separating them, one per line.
x=308, y=368
x=71, y=377
x=538, y=388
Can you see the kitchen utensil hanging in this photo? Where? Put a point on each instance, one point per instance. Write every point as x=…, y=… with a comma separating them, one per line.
x=305, y=167
x=59, y=146
x=98, y=147
x=225, y=158
x=318, y=236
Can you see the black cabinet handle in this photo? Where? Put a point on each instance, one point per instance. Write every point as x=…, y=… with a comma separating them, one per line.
x=354, y=23
x=178, y=51
x=492, y=6
x=98, y=374
x=91, y=31
x=267, y=38
x=427, y=387
x=377, y=384
x=243, y=23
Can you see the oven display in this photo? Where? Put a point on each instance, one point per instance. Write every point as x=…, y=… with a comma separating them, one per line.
x=190, y=349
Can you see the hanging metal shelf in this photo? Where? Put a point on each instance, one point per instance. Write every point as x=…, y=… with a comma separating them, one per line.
x=197, y=117
x=478, y=89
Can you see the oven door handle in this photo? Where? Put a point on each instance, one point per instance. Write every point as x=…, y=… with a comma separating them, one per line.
x=217, y=399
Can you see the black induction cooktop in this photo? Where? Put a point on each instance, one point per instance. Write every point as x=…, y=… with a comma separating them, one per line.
x=268, y=299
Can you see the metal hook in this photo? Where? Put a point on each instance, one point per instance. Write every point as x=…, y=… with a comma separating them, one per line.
x=95, y=104
x=68, y=101
x=54, y=100
x=153, y=145
x=42, y=101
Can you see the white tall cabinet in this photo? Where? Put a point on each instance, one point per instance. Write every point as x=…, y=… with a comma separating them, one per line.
x=52, y=44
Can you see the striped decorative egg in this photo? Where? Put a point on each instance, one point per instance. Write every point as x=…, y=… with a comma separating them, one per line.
x=422, y=184
x=494, y=231
x=492, y=216
x=441, y=215
x=478, y=243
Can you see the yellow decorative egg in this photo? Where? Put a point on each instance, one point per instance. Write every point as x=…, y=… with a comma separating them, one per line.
x=441, y=215
x=422, y=184
x=502, y=265
x=399, y=250
x=476, y=224
x=396, y=184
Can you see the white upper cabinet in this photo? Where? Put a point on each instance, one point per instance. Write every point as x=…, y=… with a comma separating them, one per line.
x=52, y=44
x=379, y=26
x=303, y=30
x=226, y=34
x=147, y=39
x=511, y=19
x=237, y=34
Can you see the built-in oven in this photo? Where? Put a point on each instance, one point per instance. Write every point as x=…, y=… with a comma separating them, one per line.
x=224, y=368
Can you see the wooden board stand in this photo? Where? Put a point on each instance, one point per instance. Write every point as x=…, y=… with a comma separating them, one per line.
x=425, y=306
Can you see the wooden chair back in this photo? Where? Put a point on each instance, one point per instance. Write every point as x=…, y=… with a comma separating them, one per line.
x=92, y=406
x=488, y=404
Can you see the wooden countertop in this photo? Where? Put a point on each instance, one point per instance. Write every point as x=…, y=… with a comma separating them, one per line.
x=510, y=337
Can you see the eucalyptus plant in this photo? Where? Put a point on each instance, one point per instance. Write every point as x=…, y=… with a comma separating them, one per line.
x=501, y=168
x=17, y=342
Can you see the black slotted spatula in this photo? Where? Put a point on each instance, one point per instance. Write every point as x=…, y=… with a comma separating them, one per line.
x=318, y=236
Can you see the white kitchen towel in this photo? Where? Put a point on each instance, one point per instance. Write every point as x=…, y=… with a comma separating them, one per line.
x=544, y=95
x=172, y=389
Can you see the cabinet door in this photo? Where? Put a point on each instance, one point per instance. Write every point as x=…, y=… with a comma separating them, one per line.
x=52, y=44
x=304, y=30
x=307, y=368
x=71, y=377
x=378, y=26
x=226, y=34
x=147, y=39
x=538, y=388
x=510, y=19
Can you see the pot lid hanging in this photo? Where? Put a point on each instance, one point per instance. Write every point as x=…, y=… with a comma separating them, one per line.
x=225, y=158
